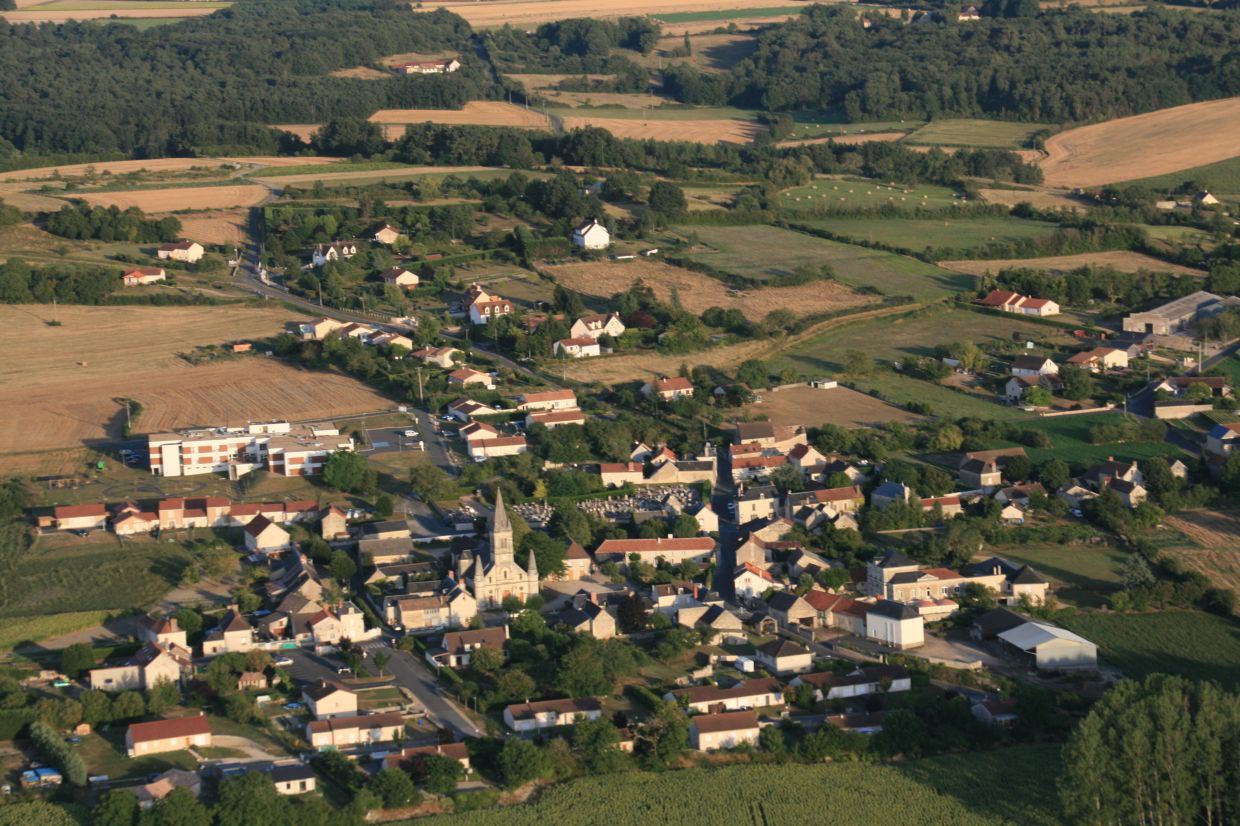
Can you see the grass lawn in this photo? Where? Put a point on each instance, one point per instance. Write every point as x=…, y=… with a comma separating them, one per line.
x=105, y=754
x=968, y=132
x=1193, y=644
x=839, y=193
x=1070, y=437
x=916, y=234
x=1230, y=367
x=767, y=252
x=1222, y=178
x=959, y=789
x=89, y=574
x=824, y=124
x=16, y=630
x=1079, y=574
x=380, y=698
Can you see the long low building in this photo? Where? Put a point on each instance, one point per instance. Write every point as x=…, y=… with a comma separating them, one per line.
x=527, y=717
x=128, y=518
x=360, y=730
x=178, y=734
x=744, y=695
x=674, y=550
x=279, y=447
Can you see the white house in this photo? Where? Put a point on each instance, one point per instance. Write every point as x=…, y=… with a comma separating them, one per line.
x=834, y=685
x=141, y=276
x=399, y=276
x=597, y=325
x=387, y=234
x=1034, y=366
x=730, y=729
x=751, y=582
x=895, y=624
x=591, y=236
x=577, y=348
x=188, y=251
x=334, y=251
x=527, y=716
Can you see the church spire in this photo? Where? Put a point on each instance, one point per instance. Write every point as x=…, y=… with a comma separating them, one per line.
x=502, y=549
x=531, y=569
x=500, y=521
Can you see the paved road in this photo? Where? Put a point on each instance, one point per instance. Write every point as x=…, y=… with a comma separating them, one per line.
x=729, y=534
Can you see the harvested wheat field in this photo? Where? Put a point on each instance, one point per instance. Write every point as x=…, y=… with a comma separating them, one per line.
x=156, y=165
x=59, y=386
x=719, y=130
x=182, y=197
x=13, y=195
x=1120, y=260
x=1039, y=199
x=523, y=12
x=698, y=292
x=474, y=113
x=362, y=73
x=1145, y=145
x=838, y=406
x=1218, y=556
x=56, y=13
x=849, y=140
x=222, y=227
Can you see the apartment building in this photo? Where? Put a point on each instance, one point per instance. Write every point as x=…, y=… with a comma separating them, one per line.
x=279, y=447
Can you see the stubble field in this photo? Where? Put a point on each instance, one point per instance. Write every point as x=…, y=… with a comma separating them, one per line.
x=525, y=12
x=474, y=113
x=175, y=198
x=1142, y=146
x=63, y=386
x=1121, y=260
x=1216, y=556
x=222, y=227
x=839, y=406
x=722, y=130
x=698, y=292
x=60, y=11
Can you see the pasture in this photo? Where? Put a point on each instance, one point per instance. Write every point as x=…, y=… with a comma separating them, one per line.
x=1222, y=178
x=996, y=134
x=1156, y=143
x=765, y=252
x=958, y=789
x=1192, y=644
x=840, y=406
x=532, y=12
x=1122, y=260
x=917, y=234
x=1071, y=442
x=64, y=383
x=1080, y=575
x=858, y=193
x=697, y=292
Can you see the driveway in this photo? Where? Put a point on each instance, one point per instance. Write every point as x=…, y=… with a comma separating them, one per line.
x=241, y=744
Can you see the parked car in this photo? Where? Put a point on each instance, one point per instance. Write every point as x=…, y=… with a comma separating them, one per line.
x=293, y=706
x=284, y=662
x=411, y=434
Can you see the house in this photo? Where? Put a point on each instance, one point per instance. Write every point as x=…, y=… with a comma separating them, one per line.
x=790, y=610
x=699, y=549
x=1175, y=316
x=1111, y=471
x=577, y=562
x=1018, y=387
x=262, y=536
x=750, y=582
x=868, y=722
x=319, y=328
x=980, y=474
x=802, y=562
x=190, y=252
x=482, y=449
x=597, y=325
x=526, y=717
x=715, y=617
x=163, y=631
x=747, y=694
x=552, y=419
x=444, y=357
x=455, y=648
x=464, y=410
x=1019, y=581
x=409, y=758
x=252, y=681
x=1221, y=439
x=668, y=389
x=807, y=460
x=1100, y=359
x=948, y=506
x=427, y=67
x=293, y=778
x=1005, y=300
x=336, y=733
x=780, y=656
x=482, y=306
x=1039, y=307
x=233, y=634
x=745, y=468
x=152, y=664
x=322, y=253
x=388, y=234
x=995, y=712
x=478, y=430
x=1130, y=493
x=1204, y=198
x=141, y=276
x=447, y=607
x=159, y=736
x=467, y=377
x=889, y=492
x=860, y=682
x=160, y=787
x=333, y=524
x=895, y=624
x=969, y=14
x=1050, y=646
x=400, y=277
x=708, y=732
x=577, y=348
x=757, y=502
x=92, y=517
x=780, y=439
x=591, y=236
x=1034, y=366
x=840, y=500
x=619, y=474
x=547, y=400
x=584, y=615
x=707, y=519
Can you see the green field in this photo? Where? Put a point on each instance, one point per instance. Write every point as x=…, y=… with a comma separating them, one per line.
x=1193, y=644
x=961, y=790
x=727, y=14
x=316, y=168
x=119, y=5
x=859, y=193
x=916, y=234
x=76, y=574
x=1070, y=435
x=15, y=630
x=1079, y=574
x=765, y=252
x=825, y=124
x=1222, y=178
x=966, y=132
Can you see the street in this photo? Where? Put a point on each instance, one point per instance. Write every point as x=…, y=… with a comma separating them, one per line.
x=720, y=499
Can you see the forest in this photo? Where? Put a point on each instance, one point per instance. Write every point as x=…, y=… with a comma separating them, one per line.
x=211, y=83
x=1056, y=67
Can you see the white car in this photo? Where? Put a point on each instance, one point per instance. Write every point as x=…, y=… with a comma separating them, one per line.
x=284, y=662
x=411, y=434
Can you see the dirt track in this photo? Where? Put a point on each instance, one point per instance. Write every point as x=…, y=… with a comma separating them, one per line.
x=1145, y=145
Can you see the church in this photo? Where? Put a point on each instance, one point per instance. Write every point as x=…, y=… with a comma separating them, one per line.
x=501, y=576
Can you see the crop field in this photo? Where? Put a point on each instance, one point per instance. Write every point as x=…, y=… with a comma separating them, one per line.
x=1080, y=575
x=474, y=113
x=916, y=234
x=527, y=12
x=155, y=168
x=1036, y=198
x=61, y=386
x=1156, y=143
x=1222, y=178
x=646, y=364
x=402, y=173
x=1122, y=260
x=651, y=125
x=828, y=193
x=847, y=140
x=1070, y=438
x=49, y=576
x=959, y=789
x=174, y=198
x=1216, y=554
x=838, y=406
x=1192, y=644
x=966, y=132
x=767, y=252
x=59, y=11
x=16, y=630
x=362, y=73
x=219, y=227
x=698, y=292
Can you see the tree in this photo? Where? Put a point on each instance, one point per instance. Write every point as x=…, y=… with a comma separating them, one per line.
x=76, y=660
x=1054, y=474
x=549, y=554
x=858, y=363
x=667, y=199
x=632, y=613
x=35, y=813
x=1039, y=396
x=394, y=787
x=342, y=567
x=520, y=761
x=599, y=744
x=753, y=373
x=180, y=807
x=442, y=774
x=381, y=659
x=346, y=471
x=115, y=808
x=486, y=660
x=128, y=705
x=384, y=506
x=515, y=685
x=163, y=694
x=1017, y=469
x=1136, y=573
x=251, y=799
x=1078, y=384
x=685, y=526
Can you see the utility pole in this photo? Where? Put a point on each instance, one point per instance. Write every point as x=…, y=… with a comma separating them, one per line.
x=320, y=293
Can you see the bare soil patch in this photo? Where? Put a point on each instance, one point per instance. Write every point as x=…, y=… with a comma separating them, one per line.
x=719, y=130
x=699, y=292
x=1218, y=558
x=362, y=73
x=840, y=406
x=59, y=386
x=1144, y=145
x=523, y=12
x=174, y=198
x=223, y=227
x=474, y=113
x=1120, y=260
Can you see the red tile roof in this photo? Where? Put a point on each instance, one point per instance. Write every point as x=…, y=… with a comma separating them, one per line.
x=169, y=729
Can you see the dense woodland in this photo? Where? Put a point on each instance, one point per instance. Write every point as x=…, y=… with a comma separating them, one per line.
x=1057, y=67
x=213, y=81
